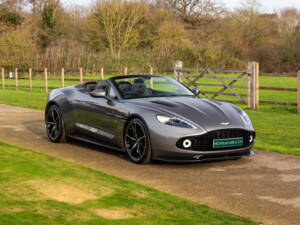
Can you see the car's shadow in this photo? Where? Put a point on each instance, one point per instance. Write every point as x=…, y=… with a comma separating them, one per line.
x=123, y=155
x=37, y=128
x=97, y=148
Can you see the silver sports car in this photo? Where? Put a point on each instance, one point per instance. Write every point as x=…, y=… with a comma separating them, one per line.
x=149, y=117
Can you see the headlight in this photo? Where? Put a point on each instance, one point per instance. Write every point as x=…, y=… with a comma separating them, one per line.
x=245, y=118
x=175, y=121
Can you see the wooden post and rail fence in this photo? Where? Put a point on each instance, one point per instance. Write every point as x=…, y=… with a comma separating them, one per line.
x=226, y=82
x=62, y=79
x=249, y=76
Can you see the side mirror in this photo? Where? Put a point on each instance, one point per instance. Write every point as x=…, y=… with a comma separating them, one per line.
x=98, y=93
x=196, y=91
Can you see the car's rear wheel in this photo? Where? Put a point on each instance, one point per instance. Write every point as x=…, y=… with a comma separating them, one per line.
x=55, y=125
x=137, y=142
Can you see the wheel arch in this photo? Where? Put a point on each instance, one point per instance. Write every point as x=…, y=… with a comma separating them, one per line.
x=65, y=107
x=131, y=117
x=49, y=104
x=136, y=116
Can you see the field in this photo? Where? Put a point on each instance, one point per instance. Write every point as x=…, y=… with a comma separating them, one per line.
x=46, y=190
x=277, y=126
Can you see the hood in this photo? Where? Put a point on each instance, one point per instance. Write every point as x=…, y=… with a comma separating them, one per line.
x=207, y=113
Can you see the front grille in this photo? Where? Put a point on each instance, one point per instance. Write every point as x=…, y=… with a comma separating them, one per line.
x=205, y=142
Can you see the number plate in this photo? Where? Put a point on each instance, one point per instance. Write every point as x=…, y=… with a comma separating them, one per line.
x=227, y=143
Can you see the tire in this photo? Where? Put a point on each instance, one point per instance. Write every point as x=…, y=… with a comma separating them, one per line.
x=137, y=142
x=55, y=125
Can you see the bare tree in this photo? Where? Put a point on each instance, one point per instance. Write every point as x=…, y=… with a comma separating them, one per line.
x=288, y=25
x=15, y=5
x=195, y=12
x=170, y=34
x=119, y=21
x=250, y=22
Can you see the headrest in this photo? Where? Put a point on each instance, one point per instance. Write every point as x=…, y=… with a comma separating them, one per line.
x=139, y=86
x=125, y=86
x=139, y=81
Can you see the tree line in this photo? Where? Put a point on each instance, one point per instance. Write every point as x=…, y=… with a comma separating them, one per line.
x=140, y=33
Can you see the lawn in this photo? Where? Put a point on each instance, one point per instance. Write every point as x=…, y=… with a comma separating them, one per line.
x=277, y=126
x=277, y=129
x=39, y=189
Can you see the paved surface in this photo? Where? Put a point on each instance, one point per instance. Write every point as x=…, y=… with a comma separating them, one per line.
x=265, y=188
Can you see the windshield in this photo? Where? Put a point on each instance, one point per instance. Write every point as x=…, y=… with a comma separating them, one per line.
x=150, y=86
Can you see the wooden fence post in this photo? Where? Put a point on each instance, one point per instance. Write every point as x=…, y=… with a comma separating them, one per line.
x=81, y=75
x=102, y=73
x=249, y=85
x=46, y=80
x=256, y=87
x=151, y=70
x=62, y=77
x=125, y=71
x=177, y=66
x=30, y=79
x=253, y=85
x=16, y=77
x=298, y=102
x=151, y=73
x=3, y=78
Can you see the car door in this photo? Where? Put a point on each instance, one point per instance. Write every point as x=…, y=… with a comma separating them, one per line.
x=97, y=117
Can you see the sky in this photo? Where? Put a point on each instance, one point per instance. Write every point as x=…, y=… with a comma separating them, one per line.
x=268, y=5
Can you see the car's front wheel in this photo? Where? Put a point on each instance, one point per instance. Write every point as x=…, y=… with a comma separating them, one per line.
x=55, y=125
x=137, y=142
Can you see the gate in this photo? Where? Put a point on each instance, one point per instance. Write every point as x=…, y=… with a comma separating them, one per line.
x=238, y=86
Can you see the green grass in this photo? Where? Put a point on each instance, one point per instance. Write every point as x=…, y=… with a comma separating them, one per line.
x=277, y=129
x=40, y=189
x=23, y=98
x=277, y=126
x=38, y=81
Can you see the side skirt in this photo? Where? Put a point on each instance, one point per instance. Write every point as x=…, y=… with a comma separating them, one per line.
x=95, y=142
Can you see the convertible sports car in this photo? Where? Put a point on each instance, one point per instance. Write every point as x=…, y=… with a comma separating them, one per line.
x=149, y=117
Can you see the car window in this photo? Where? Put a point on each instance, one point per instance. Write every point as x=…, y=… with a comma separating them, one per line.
x=147, y=86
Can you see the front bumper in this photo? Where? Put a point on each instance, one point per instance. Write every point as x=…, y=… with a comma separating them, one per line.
x=164, y=148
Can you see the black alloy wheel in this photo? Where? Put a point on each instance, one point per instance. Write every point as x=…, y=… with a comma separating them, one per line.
x=137, y=142
x=55, y=125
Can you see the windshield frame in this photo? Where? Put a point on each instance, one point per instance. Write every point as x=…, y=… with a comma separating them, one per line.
x=113, y=81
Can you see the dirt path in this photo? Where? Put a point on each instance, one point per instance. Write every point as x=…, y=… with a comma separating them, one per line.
x=265, y=187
